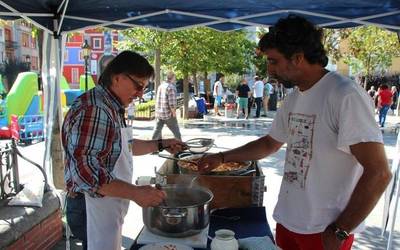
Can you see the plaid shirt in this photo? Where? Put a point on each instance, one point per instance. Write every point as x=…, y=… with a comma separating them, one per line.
x=91, y=140
x=165, y=100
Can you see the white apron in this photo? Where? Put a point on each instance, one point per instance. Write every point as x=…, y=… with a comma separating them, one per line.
x=105, y=216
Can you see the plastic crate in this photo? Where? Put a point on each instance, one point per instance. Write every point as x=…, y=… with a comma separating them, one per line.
x=30, y=128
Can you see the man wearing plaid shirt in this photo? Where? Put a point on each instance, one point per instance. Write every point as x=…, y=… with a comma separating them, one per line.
x=166, y=108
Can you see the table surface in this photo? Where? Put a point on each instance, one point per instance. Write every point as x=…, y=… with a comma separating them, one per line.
x=245, y=222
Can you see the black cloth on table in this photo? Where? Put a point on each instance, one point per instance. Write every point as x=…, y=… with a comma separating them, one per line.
x=252, y=222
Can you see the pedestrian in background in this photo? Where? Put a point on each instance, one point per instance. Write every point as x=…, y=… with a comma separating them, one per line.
x=258, y=93
x=395, y=98
x=384, y=101
x=218, y=91
x=242, y=93
x=166, y=108
x=130, y=110
x=267, y=91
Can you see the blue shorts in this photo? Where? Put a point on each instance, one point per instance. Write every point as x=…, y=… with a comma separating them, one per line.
x=218, y=101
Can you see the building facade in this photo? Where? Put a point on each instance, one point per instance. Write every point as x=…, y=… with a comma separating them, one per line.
x=103, y=49
x=19, y=43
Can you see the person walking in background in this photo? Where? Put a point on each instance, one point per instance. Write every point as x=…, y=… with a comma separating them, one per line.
x=384, y=101
x=273, y=95
x=267, y=92
x=218, y=91
x=130, y=110
x=166, y=108
x=258, y=92
x=242, y=93
x=335, y=166
x=372, y=92
x=395, y=98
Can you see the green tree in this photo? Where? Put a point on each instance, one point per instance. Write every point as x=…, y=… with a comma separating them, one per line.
x=148, y=42
x=371, y=50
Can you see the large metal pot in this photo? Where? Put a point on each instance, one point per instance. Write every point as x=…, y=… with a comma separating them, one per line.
x=185, y=212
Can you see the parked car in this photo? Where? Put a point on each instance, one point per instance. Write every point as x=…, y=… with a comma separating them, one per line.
x=150, y=95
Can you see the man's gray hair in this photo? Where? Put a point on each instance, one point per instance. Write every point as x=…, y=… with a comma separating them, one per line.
x=170, y=76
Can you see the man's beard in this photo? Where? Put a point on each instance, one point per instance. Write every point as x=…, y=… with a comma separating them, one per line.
x=287, y=84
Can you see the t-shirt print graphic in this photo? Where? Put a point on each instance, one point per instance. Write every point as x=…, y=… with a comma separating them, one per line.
x=299, y=148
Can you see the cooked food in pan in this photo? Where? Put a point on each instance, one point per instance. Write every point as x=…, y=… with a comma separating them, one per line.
x=224, y=167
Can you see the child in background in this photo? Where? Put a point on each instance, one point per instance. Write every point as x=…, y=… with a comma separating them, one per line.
x=131, y=113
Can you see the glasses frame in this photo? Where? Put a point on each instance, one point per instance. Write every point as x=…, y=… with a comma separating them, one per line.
x=138, y=85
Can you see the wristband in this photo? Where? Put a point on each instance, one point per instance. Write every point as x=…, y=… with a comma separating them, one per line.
x=160, y=145
x=222, y=157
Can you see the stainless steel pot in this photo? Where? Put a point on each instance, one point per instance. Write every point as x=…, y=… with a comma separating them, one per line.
x=185, y=212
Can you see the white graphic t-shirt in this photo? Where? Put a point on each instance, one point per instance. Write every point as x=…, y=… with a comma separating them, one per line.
x=320, y=172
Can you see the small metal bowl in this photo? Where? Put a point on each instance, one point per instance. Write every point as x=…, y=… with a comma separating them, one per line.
x=199, y=145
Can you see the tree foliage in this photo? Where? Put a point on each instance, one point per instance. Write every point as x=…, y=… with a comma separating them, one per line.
x=371, y=49
x=194, y=50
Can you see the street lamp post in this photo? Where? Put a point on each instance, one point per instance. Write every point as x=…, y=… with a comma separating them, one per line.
x=86, y=49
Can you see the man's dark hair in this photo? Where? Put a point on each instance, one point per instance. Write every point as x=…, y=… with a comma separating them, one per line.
x=219, y=76
x=384, y=86
x=127, y=62
x=295, y=34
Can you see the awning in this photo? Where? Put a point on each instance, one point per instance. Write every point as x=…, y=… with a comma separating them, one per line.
x=73, y=15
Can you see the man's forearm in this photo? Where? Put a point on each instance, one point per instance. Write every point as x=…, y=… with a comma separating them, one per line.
x=373, y=182
x=118, y=188
x=142, y=147
x=254, y=150
x=364, y=198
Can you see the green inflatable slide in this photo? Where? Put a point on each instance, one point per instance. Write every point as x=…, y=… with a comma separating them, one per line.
x=21, y=94
x=82, y=83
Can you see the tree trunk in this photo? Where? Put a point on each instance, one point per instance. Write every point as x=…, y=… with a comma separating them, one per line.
x=185, y=97
x=56, y=150
x=195, y=84
x=157, y=69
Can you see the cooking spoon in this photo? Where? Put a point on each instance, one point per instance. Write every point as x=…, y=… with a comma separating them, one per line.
x=163, y=202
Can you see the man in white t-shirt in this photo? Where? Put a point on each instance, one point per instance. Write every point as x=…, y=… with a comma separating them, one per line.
x=268, y=90
x=217, y=93
x=258, y=92
x=335, y=168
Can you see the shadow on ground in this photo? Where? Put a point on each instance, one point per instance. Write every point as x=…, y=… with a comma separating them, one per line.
x=371, y=238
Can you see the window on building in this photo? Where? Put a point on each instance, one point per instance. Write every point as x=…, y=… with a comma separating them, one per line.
x=7, y=33
x=97, y=43
x=34, y=63
x=25, y=39
x=74, y=75
x=33, y=42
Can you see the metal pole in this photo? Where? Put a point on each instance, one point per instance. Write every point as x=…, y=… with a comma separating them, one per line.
x=86, y=74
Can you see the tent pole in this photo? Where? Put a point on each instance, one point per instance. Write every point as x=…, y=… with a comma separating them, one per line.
x=393, y=222
x=396, y=183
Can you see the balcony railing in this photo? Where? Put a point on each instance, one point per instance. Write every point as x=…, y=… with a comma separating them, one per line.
x=11, y=44
x=9, y=175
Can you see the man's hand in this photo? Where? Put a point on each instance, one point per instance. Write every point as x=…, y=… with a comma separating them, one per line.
x=329, y=240
x=173, y=145
x=147, y=196
x=209, y=162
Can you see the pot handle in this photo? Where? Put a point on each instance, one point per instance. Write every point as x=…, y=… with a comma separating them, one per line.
x=174, y=212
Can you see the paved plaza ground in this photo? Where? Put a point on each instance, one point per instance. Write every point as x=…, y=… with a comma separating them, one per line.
x=229, y=133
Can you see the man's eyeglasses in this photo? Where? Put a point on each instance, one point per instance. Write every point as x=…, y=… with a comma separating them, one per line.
x=139, y=86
